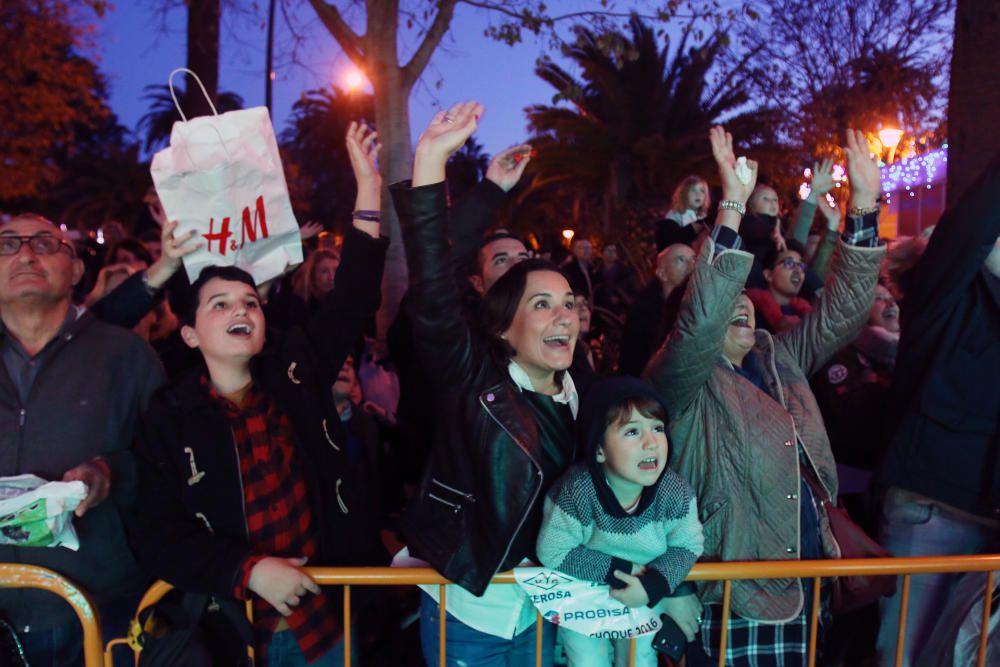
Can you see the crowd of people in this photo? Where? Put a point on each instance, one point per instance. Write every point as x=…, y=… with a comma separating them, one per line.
x=570, y=414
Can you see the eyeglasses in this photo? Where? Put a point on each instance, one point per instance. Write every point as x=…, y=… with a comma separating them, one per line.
x=41, y=244
x=790, y=263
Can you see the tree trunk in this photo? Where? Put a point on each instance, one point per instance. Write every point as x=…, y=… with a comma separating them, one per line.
x=974, y=96
x=202, y=53
x=269, y=65
x=392, y=119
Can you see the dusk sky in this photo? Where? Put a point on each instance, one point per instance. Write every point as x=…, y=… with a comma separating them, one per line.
x=136, y=49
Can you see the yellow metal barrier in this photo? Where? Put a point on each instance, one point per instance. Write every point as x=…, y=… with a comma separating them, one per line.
x=13, y=575
x=726, y=572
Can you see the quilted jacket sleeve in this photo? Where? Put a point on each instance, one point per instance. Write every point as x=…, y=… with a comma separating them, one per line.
x=685, y=362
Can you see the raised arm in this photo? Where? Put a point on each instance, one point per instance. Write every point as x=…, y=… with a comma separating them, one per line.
x=685, y=362
x=476, y=212
x=443, y=336
x=345, y=311
x=850, y=288
x=963, y=239
x=131, y=301
x=821, y=183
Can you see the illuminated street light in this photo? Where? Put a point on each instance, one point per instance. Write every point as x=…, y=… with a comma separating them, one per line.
x=568, y=234
x=354, y=79
x=890, y=136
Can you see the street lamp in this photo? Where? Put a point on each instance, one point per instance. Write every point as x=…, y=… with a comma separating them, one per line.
x=890, y=136
x=354, y=79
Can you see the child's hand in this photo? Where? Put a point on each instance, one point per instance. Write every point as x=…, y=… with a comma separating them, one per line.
x=634, y=593
x=280, y=582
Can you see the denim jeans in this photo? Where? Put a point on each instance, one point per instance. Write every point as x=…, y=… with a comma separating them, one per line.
x=284, y=651
x=467, y=647
x=916, y=526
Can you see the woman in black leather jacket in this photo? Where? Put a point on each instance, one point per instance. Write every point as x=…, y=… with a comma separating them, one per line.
x=504, y=413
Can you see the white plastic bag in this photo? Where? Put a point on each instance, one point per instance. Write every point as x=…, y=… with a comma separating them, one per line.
x=37, y=513
x=583, y=606
x=222, y=176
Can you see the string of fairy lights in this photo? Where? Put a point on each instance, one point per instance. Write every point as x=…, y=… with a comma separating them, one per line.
x=905, y=176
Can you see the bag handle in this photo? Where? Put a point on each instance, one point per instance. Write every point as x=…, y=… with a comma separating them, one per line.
x=173, y=94
x=177, y=105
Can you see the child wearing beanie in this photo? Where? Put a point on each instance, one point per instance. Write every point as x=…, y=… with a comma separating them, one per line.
x=621, y=517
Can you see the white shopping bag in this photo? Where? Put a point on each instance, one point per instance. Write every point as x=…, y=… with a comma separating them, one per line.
x=37, y=513
x=222, y=177
x=583, y=606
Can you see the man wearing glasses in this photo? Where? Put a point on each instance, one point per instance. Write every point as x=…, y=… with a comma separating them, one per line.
x=71, y=391
x=779, y=307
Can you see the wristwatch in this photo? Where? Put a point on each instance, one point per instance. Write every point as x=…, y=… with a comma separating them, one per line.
x=731, y=205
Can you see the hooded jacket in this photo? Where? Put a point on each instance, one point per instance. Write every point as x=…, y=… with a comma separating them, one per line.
x=587, y=534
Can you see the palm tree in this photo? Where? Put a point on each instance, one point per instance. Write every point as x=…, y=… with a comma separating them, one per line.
x=317, y=167
x=99, y=186
x=158, y=123
x=466, y=167
x=637, y=121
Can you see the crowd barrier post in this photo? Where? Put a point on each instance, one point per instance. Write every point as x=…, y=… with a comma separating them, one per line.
x=727, y=572
x=17, y=575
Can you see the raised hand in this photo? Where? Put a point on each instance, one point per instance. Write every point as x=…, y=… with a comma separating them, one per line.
x=822, y=179
x=310, y=229
x=174, y=249
x=445, y=134
x=507, y=166
x=733, y=189
x=362, y=149
x=862, y=170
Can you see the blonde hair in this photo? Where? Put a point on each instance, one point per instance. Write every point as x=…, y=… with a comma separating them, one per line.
x=677, y=200
x=304, y=280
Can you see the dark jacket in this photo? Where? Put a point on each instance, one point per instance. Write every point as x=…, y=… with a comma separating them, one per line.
x=189, y=527
x=484, y=481
x=648, y=322
x=86, y=401
x=852, y=393
x=471, y=216
x=944, y=421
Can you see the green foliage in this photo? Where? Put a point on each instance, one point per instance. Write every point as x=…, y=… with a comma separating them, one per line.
x=466, y=168
x=51, y=95
x=869, y=63
x=158, y=123
x=317, y=167
x=637, y=123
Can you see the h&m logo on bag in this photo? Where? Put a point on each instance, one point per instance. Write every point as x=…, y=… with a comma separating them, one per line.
x=247, y=233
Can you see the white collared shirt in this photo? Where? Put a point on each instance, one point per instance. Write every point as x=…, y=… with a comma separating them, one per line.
x=504, y=610
x=567, y=395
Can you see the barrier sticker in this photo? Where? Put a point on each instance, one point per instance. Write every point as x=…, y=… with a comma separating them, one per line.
x=584, y=606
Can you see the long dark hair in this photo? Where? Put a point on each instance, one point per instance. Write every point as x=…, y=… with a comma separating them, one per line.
x=500, y=303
